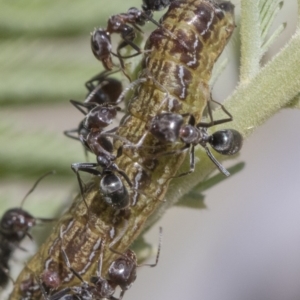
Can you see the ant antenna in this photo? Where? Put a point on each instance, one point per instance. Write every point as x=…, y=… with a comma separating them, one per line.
x=117, y=239
x=35, y=185
x=99, y=271
x=158, y=251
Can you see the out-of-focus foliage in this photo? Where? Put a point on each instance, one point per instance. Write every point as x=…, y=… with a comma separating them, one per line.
x=45, y=47
x=45, y=59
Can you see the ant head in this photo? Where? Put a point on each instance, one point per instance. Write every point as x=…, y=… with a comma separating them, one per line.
x=155, y=4
x=101, y=47
x=122, y=271
x=114, y=191
x=15, y=223
x=227, y=141
x=100, y=117
x=166, y=126
x=103, y=287
x=50, y=279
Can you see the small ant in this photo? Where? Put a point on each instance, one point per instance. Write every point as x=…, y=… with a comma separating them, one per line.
x=101, y=90
x=100, y=38
x=101, y=106
x=169, y=127
x=93, y=138
x=14, y=226
x=121, y=272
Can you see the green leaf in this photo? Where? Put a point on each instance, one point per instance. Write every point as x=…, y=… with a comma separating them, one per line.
x=195, y=198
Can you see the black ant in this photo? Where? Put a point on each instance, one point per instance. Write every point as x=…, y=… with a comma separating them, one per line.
x=100, y=38
x=101, y=90
x=14, y=226
x=121, y=273
x=169, y=127
x=95, y=140
x=100, y=109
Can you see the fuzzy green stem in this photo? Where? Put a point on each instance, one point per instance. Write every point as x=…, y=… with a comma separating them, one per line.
x=250, y=40
x=298, y=24
x=251, y=105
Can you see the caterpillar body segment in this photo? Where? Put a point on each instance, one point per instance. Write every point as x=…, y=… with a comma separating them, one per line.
x=175, y=74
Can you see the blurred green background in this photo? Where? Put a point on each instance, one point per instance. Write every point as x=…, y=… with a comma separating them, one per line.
x=244, y=246
x=45, y=59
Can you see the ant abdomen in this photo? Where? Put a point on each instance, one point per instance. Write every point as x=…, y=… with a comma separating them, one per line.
x=122, y=271
x=114, y=191
x=227, y=141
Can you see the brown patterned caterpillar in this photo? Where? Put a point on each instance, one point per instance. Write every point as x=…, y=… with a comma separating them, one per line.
x=174, y=79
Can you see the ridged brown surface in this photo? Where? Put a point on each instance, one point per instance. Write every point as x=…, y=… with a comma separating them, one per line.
x=177, y=69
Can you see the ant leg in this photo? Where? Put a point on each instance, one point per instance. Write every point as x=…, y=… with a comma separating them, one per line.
x=131, y=86
x=130, y=56
x=218, y=165
x=84, y=167
x=100, y=262
x=99, y=77
x=45, y=296
x=124, y=175
x=66, y=259
x=192, y=164
x=174, y=152
x=212, y=121
x=92, y=83
x=69, y=134
x=128, y=37
x=122, y=294
x=117, y=239
x=94, y=92
x=78, y=105
x=63, y=294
